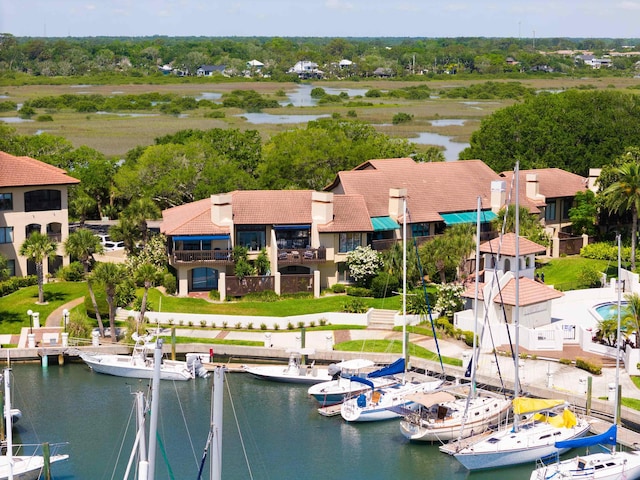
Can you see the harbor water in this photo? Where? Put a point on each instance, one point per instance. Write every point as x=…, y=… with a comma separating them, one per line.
x=271, y=431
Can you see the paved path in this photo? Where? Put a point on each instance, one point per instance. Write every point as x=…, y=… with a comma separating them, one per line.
x=55, y=318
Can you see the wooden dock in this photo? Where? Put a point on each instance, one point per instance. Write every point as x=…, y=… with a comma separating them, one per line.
x=626, y=437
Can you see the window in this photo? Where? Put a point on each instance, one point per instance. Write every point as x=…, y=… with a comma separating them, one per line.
x=293, y=238
x=6, y=201
x=550, y=211
x=566, y=206
x=349, y=242
x=204, y=279
x=42, y=200
x=251, y=237
x=420, y=229
x=11, y=265
x=344, y=276
x=6, y=234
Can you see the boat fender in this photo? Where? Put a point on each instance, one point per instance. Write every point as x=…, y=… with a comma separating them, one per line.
x=362, y=400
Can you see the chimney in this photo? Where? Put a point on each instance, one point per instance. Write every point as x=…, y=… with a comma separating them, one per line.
x=594, y=174
x=321, y=207
x=396, y=197
x=221, y=209
x=533, y=189
x=498, y=195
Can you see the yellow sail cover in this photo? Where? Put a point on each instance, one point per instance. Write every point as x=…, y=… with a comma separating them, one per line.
x=566, y=420
x=523, y=405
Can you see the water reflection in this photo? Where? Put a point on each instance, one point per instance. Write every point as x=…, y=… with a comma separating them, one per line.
x=301, y=97
x=262, y=118
x=213, y=96
x=452, y=149
x=448, y=122
x=15, y=120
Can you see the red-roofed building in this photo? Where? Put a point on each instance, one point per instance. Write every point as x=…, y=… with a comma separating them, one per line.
x=33, y=197
x=305, y=234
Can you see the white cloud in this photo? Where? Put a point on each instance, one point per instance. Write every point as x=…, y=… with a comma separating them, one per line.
x=339, y=5
x=628, y=5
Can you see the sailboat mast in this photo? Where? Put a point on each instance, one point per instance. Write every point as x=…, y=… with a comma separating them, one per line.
x=155, y=405
x=616, y=418
x=404, y=279
x=475, y=298
x=516, y=313
x=7, y=416
x=216, y=423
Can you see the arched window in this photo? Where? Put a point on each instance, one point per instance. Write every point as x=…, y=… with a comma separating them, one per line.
x=507, y=265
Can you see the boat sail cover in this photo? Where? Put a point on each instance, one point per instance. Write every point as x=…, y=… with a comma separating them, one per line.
x=522, y=405
x=393, y=369
x=364, y=381
x=607, y=438
x=566, y=420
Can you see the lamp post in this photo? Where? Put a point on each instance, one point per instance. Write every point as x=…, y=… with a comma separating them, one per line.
x=31, y=339
x=65, y=335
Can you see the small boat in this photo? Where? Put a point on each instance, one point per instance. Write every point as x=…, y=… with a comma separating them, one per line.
x=384, y=403
x=342, y=387
x=140, y=365
x=441, y=417
x=21, y=467
x=294, y=372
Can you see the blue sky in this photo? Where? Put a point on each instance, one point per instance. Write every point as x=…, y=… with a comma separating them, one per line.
x=326, y=18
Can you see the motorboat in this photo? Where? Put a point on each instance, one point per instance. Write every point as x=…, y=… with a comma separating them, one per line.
x=294, y=372
x=140, y=365
x=342, y=387
x=447, y=415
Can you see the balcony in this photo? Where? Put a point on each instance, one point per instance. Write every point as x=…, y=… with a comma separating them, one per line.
x=290, y=256
x=215, y=257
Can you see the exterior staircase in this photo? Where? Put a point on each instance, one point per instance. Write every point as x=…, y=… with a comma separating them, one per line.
x=382, y=319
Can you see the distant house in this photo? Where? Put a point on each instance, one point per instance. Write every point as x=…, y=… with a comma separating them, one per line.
x=165, y=69
x=306, y=69
x=255, y=64
x=344, y=63
x=210, y=70
x=593, y=61
x=383, y=72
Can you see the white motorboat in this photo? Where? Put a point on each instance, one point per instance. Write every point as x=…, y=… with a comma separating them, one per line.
x=140, y=365
x=384, y=403
x=607, y=465
x=20, y=467
x=294, y=372
x=448, y=415
x=341, y=388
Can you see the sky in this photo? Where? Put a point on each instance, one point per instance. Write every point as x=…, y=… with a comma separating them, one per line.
x=322, y=18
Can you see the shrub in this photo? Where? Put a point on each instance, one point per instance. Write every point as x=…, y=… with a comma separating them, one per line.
x=289, y=326
x=16, y=283
x=137, y=304
x=170, y=284
x=300, y=324
x=383, y=285
x=373, y=93
x=401, y=117
x=443, y=323
x=588, y=366
x=250, y=326
x=74, y=272
x=190, y=323
x=214, y=294
x=203, y=323
x=339, y=288
x=263, y=326
x=44, y=118
x=215, y=114
x=238, y=325
x=354, y=305
x=358, y=292
x=565, y=361
x=589, y=276
x=467, y=336
x=224, y=324
x=263, y=296
x=312, y=324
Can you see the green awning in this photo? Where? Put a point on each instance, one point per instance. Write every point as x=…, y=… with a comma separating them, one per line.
x=467, y=217
x=381, y=224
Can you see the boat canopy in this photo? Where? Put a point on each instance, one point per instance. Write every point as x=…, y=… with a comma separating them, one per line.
x=566, y=420
x=522, y=405
x=369, y=383
x=428, y=399
x=355, y=364
x=393, y=369
x=607, y=438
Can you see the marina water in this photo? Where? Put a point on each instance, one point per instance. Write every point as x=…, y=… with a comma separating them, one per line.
x=271, y=431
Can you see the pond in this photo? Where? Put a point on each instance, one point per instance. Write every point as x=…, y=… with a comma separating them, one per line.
x=448, y=122
x=452, y=149
x=301, y=97
x=15, y=120
x=263, y=118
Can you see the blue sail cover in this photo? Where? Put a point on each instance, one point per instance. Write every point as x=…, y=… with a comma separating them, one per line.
x=393, y=369
x=607, y=438
x=362, y=380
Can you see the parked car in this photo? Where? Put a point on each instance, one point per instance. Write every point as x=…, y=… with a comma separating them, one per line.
x=108, y=244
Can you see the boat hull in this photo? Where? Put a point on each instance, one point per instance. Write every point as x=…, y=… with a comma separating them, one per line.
x=131, y=367
x=26, y=467
x=337, y=391
x=506, y=448
x=483, y=413
x=597, y=466
x=303, y=375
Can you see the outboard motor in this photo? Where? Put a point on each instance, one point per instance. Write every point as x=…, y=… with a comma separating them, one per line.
x=334, y=371
x=195, y=366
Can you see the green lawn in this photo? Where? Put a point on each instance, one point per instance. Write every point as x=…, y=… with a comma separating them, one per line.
x=563, y=272
x=393, y=346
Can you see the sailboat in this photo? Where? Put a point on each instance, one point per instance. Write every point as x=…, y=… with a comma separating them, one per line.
x=608, y=465
x=458, y=412
x=391, y=401
x=21, y=467
x=537, y=423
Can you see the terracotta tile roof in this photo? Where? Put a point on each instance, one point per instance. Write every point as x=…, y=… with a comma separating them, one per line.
x=552, y=183
x=26, y=171
x=350, y=215
x=508, y=248
x=263, y=207
x=191, y=219
x=433, y=188
x=267, y=207
x=530, y=292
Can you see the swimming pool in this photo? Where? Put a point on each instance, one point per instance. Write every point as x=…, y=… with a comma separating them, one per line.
x=609, y=310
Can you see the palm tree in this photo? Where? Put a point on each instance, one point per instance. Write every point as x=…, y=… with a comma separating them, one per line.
x=83, y=244
x=109, y=274
x=38, y=247
x=623, y=196
x=141, y=210
x=631, y=318
x=147, y=274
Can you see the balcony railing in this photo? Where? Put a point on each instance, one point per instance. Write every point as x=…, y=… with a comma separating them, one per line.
x=301, y=255
x=219, y=257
